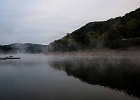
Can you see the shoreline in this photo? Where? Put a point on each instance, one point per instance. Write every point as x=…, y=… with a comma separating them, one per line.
x=98, y=52
x=133, y=51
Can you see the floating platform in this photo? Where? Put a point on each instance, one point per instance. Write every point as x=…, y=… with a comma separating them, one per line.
x=9, y=57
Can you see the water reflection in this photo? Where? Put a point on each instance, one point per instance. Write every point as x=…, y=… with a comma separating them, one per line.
x=120, y=74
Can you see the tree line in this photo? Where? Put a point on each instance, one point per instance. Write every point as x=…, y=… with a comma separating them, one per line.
x=104, y=34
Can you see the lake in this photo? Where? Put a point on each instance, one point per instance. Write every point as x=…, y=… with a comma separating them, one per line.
x=45, y=77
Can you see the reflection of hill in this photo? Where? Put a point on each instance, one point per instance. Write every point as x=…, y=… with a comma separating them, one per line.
x=119, y=74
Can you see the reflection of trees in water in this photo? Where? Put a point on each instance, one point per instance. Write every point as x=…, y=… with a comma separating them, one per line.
x=121, y=74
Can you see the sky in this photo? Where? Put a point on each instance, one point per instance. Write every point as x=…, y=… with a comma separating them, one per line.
x=43, y=21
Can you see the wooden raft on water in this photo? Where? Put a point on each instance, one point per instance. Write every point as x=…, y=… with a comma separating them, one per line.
x=9, y=57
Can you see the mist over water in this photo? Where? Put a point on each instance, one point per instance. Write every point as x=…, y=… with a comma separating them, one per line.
x=42, y=77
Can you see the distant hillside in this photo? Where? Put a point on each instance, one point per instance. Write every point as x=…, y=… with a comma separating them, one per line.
x=23, y=48
x=113, y=33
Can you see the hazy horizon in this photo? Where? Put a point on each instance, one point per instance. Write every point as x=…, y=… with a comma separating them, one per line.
x=43, y=21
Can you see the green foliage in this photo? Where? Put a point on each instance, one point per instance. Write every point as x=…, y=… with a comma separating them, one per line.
x=103, y=34
x=113, y=39
x=65, y=44
x=23, y=48
x=5, y=49
x=92, y=39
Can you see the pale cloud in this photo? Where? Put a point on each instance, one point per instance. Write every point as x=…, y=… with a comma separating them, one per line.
x=43, y=21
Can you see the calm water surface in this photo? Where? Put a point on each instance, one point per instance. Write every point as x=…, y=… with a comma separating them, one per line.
x=41, y=77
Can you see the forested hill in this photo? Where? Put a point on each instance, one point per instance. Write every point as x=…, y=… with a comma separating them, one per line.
x=114, y=33
x=23, y=48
